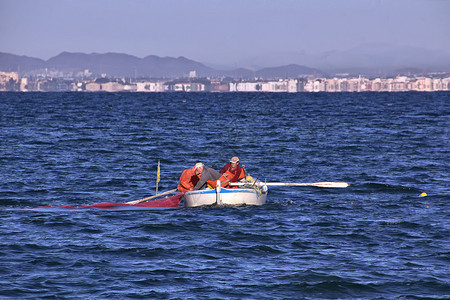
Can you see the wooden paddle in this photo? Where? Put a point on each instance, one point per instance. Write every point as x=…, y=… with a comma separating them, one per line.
x=152, y=197
x=316, y=184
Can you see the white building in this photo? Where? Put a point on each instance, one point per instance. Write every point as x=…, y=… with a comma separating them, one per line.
x=148, y=86
x=245, y=86
x=112, y=87
x=189, y=87
x=24, y=84
x=292, y=86
x=93, y=87
x=274, y=86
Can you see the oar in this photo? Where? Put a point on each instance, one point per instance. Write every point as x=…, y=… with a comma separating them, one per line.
x=152, y=197
x=316, y=184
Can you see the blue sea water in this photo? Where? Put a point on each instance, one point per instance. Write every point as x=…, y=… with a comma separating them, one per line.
x=377, y=239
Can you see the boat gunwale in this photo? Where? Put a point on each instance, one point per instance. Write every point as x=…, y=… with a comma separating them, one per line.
x=222, y=190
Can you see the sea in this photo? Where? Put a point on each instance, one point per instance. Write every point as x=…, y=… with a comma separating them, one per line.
x=386, y=236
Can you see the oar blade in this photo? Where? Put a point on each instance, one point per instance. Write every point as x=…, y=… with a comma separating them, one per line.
x=332, y=184
x=325, y=184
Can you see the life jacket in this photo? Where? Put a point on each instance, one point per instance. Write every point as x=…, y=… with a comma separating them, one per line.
x=238, y=173
x=224, y=179
x=188, y=180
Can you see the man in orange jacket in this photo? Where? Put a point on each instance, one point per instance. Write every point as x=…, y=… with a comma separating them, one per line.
x=190, y=177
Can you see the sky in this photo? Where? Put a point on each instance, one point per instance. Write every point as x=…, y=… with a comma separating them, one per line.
x=226, y=32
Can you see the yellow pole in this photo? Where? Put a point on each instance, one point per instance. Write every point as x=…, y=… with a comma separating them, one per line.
x=158, y=172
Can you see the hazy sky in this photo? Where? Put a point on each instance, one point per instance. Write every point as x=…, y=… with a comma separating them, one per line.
x=219, y=32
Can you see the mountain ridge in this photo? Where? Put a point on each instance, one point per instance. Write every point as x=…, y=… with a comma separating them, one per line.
x=367, y=60
x=124, y=65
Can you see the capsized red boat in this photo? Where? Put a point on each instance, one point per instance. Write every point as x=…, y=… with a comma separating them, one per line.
x=166, y=202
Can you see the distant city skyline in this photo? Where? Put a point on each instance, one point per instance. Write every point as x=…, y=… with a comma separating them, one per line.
x=224, y=33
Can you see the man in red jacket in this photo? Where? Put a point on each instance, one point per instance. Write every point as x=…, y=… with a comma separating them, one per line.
x=234, y=168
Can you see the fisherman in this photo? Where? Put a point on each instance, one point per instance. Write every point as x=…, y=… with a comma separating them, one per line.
x=234, y=169
x=190, y=177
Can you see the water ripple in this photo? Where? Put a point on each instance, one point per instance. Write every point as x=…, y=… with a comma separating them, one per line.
x=377, y=239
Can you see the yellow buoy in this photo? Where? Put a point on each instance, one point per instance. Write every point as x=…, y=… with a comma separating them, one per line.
x=423, y=195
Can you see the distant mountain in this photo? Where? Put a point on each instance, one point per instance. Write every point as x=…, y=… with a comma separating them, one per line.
x=15, y=63
x=118, y=65
x=409, y=71
x=124, y=65
x=380, y=59
x=384, y=58
x=174, y=67
x=365, y=59
x=289, y=71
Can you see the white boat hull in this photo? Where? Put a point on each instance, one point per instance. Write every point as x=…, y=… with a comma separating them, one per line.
x=223, y=196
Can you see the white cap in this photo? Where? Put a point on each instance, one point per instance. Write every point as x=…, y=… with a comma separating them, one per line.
x=198, y=165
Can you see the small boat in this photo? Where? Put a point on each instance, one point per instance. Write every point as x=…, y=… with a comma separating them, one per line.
x=248, y=194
